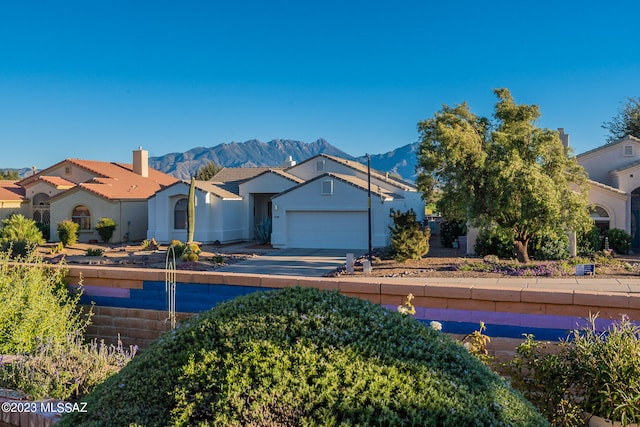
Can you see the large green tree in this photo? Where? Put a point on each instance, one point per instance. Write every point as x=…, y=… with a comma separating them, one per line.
x=10, y=174
x=626, y=122
x=501, y=171
x=206, y=172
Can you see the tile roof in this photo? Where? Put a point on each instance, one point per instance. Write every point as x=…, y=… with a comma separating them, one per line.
x=607, y=187
x=238, y=174
x=58, y=182
x=11, y=191
x=363, y=169
x=281, y=173
x=217, y=191
x=118, y=181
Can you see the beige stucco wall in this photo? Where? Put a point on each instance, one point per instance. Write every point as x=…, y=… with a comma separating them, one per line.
x=134, y=212
x=13, y=207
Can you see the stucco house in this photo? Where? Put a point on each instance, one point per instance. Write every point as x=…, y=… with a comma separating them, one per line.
x=319, y=203
x=614, y=178
x=86, y=190
x=12, y=199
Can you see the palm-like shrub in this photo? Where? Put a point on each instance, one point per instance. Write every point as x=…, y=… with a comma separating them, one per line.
x=20, y=235
x=304, y=357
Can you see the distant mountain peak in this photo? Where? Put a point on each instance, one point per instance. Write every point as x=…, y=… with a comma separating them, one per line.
x=242, y=154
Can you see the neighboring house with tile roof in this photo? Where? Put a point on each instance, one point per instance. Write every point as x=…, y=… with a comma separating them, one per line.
x=85, y=190
x=12, y=199
x=319, y=203
x=614, y=178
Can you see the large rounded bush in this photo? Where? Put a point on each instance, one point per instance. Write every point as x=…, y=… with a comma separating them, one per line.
x=305, y=357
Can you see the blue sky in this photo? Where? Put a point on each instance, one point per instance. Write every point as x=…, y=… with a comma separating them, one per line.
x=96, y=79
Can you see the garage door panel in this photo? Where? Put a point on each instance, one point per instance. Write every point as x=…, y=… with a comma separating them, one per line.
x=327, y=229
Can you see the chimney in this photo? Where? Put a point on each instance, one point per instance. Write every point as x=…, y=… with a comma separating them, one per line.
x=289, y=162
x=141, y=162
x=564, y=137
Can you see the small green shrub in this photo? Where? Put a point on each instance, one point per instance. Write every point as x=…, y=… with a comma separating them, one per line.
x=19, y=236
x=45, y=229
x=552, y=244
x=94, y=252
x=36, y=306
x=408, y=239
x=589, y=241
x=619, y=240
x=66, y=370
x=450, y=231
x=301, y=356
x=105, y=228
x=190, y=252
x=68, y=232
x=590, y=371
x=58, y=248
x=263, y=231
x=495, y=241
x=178, y=247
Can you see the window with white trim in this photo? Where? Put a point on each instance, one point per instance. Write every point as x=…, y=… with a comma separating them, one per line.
x=628, y=150
x=320, y=165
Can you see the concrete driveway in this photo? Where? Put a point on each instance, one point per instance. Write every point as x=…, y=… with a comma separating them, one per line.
x=294, y=262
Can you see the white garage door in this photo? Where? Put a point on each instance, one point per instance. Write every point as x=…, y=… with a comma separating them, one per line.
x=331, y=230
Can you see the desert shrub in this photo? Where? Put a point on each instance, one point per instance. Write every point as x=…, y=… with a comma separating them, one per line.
x=589, y=371
x=495, y=241
x=408, y=239
x=19, y=235
x=263, y=231
x=552, y=244
x=45, y=229
x=450, y=230
x=589, y=241
x=94, y=252
x=178, y=247
x=190, y=252
x=304, y=357
x=105, y=228
x=36, y=306
x=68, y=232
x=619, y=240
x=66, y=370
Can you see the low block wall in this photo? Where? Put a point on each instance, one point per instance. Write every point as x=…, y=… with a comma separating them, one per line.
x=132, y=302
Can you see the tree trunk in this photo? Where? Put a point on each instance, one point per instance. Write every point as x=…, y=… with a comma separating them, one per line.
x=522, y=250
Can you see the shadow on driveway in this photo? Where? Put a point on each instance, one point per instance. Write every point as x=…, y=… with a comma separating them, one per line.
x=294, y=262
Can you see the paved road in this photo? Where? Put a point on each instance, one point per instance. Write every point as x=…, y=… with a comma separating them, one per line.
x=294, y=262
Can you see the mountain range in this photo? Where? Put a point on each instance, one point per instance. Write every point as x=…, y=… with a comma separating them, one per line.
x=401, y=161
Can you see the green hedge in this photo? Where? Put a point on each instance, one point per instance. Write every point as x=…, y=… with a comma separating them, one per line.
x=305, y=357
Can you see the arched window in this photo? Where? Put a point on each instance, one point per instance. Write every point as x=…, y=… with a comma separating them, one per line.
x=82, y=217
x=180, y=215
x=601, y=217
